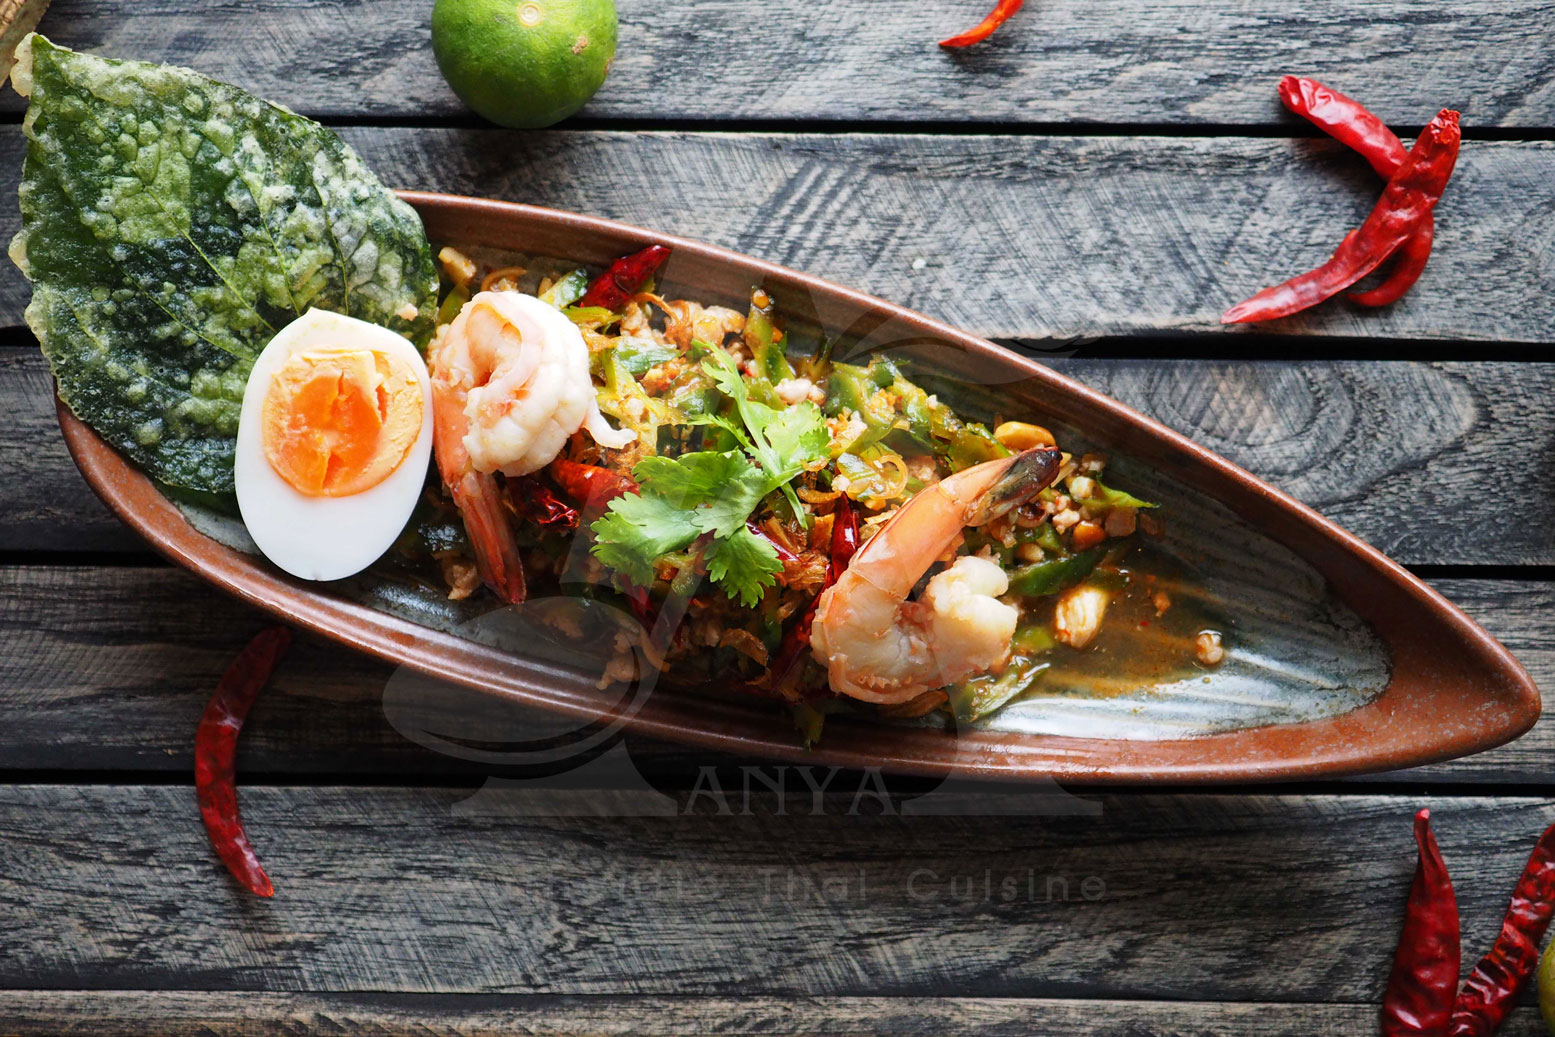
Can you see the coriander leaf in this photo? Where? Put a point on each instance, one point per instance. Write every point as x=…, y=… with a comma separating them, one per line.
x=636, y=530
x=729, y=425
x=798, y=436
x=743, y=565
x=690, y=479
x=171, y=224
x=719, y=489
x=800, y=431
x=715, y=492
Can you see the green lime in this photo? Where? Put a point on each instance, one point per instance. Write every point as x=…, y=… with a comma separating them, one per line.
x=1547, y=986
x=524, y=63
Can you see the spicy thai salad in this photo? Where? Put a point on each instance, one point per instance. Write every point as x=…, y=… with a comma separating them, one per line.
x=227, y=295
x=819, y=528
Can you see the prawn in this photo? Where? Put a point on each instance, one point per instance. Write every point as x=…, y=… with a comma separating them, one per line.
x=510, y=385
x=881, y=647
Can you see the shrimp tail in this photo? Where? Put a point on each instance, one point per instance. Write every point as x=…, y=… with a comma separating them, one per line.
x=491, y=535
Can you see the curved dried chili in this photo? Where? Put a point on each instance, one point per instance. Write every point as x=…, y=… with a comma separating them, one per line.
x=623, y=278
x=1493, y=986
x=215, y=751
x=1409, y=197
x=1419, y=998
x=1351, y=123
x=1408, y=264
x=985, y=28
x=1345, y=120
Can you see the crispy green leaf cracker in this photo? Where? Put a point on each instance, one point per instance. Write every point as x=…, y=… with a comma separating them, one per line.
x=171, y=224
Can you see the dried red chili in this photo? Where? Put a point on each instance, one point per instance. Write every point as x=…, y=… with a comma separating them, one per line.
x=641, y=605
x=538, y=503
x=1493, y=986
x=1419, y=998
x=1349, y=122
x=786, y=556
x=1406, y=201
x=215, y=749
x=594, y=487
x=1345, y=120
x=1408, y=264
x=985, y=28
x=844, y=539
x=590, y=485
x=624, y=277
x=796, y=640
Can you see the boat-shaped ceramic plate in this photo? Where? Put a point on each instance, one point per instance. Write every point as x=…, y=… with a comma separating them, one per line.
x=1340, y=662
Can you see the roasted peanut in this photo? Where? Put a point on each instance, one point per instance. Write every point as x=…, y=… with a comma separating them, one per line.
x=1021, y=435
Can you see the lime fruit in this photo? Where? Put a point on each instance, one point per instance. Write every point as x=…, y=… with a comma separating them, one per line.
x=524, y=63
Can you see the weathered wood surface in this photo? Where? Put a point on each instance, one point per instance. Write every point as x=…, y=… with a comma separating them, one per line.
x=107, y=669
x=1400, y=453
x=1056, y=221
x=202, y=1014
x=1055, y=240
x=1205, y=898
x=1133, y=61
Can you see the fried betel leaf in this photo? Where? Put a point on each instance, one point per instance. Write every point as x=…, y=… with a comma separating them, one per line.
x=171, y=224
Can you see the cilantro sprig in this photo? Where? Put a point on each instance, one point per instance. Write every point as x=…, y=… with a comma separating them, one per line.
x=712, y=493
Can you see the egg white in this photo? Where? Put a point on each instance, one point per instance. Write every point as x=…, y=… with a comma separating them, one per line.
x=325, y=538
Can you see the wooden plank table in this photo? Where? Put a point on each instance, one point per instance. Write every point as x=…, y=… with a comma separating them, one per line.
x=1095, y=184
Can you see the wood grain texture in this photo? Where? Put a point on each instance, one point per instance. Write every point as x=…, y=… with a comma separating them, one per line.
x=1051, y=240
x=46, y=505
x=1206, y=898
x=1400, y=453
x=107, y=669
x=200, y=1014
x=1132, y=61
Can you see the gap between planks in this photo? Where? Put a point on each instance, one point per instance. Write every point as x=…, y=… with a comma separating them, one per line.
x=179, y=1013
x=1128, y=62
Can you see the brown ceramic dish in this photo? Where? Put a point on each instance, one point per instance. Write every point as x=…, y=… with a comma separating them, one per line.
x=1450, y=689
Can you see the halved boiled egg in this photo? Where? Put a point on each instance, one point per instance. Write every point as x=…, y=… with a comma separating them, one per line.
x=333, y=444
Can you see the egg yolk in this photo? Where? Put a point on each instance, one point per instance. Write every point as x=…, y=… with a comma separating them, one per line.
x=337, y=422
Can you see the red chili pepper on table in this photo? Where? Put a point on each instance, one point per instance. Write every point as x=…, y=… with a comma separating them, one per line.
x=985, y=28
x=1399, y=213
x=215, y=749
x=1419, y=998
x=1408, y=264
x=1349, y=122
x=1493, y=986
x=624, y=277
